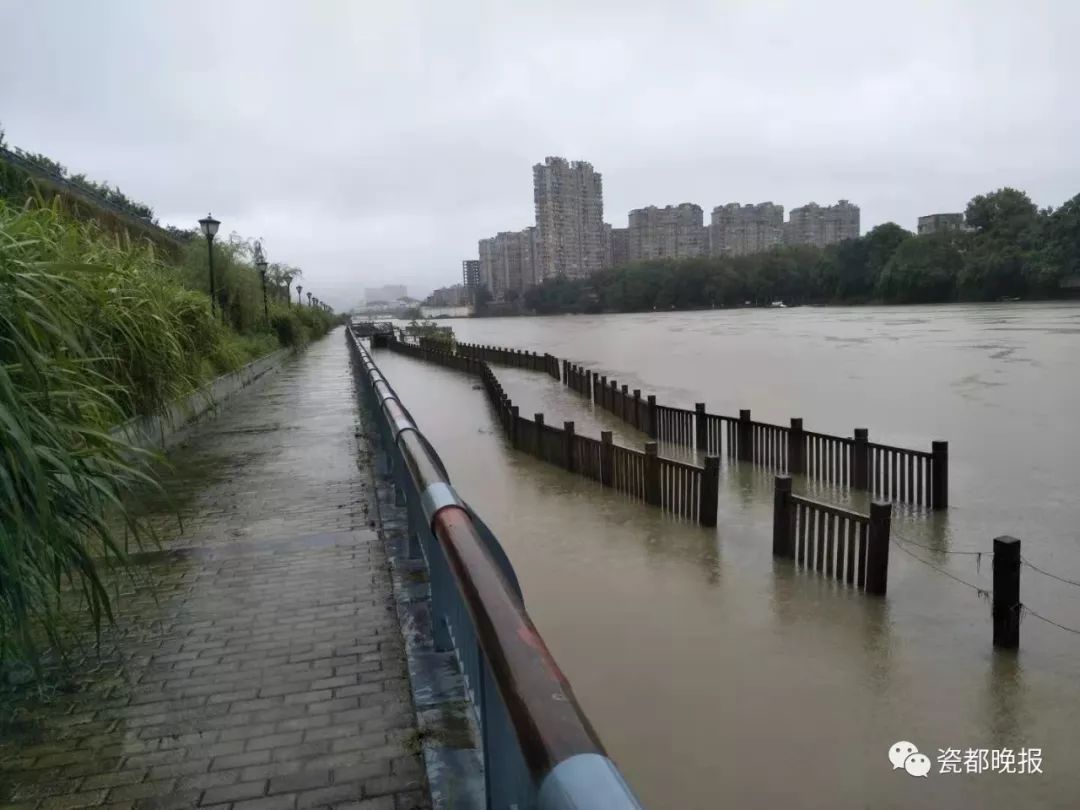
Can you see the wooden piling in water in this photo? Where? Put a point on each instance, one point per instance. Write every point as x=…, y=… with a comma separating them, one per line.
x=710, y=491
x=651, y=427
x=568, y=446
x=783, y=542
x=1006, y=605
x=796, y=448
x=514, y=413
x=607, y=459
x=652, y=474
x=746, y=436
x=701, y=427
x=860, y=459
x=538, y=438
x=877, y=551
x=940, y=466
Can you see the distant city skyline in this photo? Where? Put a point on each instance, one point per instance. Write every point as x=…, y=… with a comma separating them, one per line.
x=380, y=143
x=571, y=238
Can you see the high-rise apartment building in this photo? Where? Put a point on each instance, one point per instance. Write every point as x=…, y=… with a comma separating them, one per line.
x=529, y=245
x=486, y=248
x=620, y=246
x=813, y=224
x=470, y=274
x=672, y=232
x=935, y=223
x=508, y=263
x=569, y=218
x=739, y=230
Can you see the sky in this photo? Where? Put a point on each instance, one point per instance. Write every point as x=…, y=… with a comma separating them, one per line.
x=371, y=143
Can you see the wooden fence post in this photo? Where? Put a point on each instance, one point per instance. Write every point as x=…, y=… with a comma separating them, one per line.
x=514, y=411
x=701, y=428
x=746, y=436
x=940, y=474
x=1006, y=607
x=637, y=408
x=710, y=491
x=565, y=372
x=652, y=474
x=602, y=399
x=607, y=458
x=613, y=390
x=568, y=436
x=623, y=402
x=877, y=548
x=651, y=426
x=796, y=450
x=596, y=388
x=783, y=528
x=860, y=461
x=538, y=448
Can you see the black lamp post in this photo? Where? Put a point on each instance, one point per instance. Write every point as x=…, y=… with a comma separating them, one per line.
x=209, y=227
x=260, y=265
x=299, y=300
x=309, y=299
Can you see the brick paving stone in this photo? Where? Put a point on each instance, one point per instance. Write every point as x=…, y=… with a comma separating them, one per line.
x=257, y=662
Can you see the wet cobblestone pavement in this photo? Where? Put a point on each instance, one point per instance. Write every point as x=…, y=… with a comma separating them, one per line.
x=257, y=661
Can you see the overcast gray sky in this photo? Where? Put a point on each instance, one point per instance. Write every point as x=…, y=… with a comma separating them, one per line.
x=376, y=142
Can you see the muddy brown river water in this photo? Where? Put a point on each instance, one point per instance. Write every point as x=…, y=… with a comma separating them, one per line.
x=719, y=677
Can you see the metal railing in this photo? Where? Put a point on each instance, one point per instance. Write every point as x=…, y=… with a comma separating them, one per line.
x=538, y=747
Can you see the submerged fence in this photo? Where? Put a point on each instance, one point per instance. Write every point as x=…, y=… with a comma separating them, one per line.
x=516, y=358
x=539, y=749
x=916, y=477
x=839, y=543
x=684, y=490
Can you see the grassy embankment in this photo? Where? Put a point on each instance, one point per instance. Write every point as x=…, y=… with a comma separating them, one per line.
x=96, y=328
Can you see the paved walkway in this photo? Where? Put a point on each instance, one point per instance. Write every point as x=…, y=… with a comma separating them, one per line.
x=265, y=668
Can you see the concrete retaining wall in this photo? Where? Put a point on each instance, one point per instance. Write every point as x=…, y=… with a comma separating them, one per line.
x=163, y=431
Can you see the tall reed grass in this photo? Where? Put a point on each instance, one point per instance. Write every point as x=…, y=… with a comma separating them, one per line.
x=94, y=329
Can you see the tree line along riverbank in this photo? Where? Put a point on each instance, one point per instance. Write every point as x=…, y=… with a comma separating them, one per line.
x=1009, y=249
x=97, y=326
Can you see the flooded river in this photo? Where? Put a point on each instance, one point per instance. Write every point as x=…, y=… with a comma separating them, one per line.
x=718, y=676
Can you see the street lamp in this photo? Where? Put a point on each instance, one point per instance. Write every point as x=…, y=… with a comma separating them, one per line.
x=309, y=299
x=299, y=300
x=260, y=265
x=209, y=227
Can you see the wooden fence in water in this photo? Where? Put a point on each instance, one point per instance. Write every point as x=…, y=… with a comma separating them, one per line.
x=841, y=544
x=516, y=358
x=900, y=474
x=684, y=490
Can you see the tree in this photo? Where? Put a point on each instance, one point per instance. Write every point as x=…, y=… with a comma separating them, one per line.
x=1061, y=255
x=1004, y=214
x=1006, y=255
x=923, y=269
